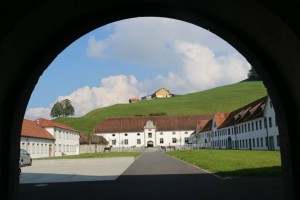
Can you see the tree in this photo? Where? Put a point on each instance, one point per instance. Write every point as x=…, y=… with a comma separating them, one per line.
x=62, y=108
x=252, y=75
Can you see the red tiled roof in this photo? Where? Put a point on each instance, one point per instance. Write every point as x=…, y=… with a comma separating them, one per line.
x=32, y=129
x=201, y=124
x=47, y=123
x=220, y=117
x=249, y=112
x=136, y=124
x=208, y=126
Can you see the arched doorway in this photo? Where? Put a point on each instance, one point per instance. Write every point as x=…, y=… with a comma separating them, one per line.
x=28, y=46
x=150, y=144
x=229, y=143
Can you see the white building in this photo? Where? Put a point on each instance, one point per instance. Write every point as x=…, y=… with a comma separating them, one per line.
x=66, y=138
x=149, y=131
x=36, y=140
x=253, y=127
x=45, y=138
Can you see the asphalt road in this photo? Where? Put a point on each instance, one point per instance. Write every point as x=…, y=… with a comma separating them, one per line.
x=155, y=175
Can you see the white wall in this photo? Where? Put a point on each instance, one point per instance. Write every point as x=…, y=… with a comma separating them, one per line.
x=133, y=136
x=66, y=141
x=241, y=134
x=37, y=147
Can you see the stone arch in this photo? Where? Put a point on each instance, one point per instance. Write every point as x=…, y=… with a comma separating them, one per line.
x=33, y=34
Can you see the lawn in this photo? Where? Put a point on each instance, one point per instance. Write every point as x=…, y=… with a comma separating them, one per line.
x=95, y=155
x=233, y=162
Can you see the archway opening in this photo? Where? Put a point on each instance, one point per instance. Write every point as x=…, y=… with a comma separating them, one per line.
x=269, y=77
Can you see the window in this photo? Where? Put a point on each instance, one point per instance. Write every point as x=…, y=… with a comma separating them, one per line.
x=113, y=142
x=174, y=133
x=138, y=141
x=248, y=126
x=245, y=127
x=186, y=140
x=270, y=121
x=149, y=135
x=261, y=142
x=252, y=125
x=229, y=131
x=138, y=134
x=161, y=133
x=278, y=140
x=126, y=134
x=113, y=135
x=185, y=132
x=126, y=141
x=256, y=125
x=253, y=142
x=265, y=122
x=257, y=142
x=174, y=140
x=161, y=140
x=266, y=141
x=260, y=124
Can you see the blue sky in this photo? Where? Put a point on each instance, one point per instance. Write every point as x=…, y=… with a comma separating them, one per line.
x=133, y=58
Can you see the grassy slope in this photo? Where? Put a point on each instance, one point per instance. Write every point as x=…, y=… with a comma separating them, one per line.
x=221, y=99
x=233, y=162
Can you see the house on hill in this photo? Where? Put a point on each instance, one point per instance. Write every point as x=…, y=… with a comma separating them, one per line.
x=133, y=100
x=253, y=127
x=148, y=131
x=161, y=93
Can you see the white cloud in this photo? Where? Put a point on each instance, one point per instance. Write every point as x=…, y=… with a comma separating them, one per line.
x=150, y=40
x=112, y=90
x=34, y=113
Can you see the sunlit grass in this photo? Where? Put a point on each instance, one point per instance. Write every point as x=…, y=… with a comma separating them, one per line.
x=233, y=162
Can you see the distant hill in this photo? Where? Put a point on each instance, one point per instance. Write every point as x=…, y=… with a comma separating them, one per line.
x=221, y=99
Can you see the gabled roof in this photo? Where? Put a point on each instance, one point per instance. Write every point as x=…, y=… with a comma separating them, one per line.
x=246, y=113
x=201, y=124
x=220, y=117
x=32, y=129
x=47, y=123
x=160, y=90
x=136, y=124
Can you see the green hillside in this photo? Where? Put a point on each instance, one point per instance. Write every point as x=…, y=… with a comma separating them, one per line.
x=221, y=99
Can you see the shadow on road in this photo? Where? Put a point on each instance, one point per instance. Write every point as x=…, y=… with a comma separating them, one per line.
x=175, y=186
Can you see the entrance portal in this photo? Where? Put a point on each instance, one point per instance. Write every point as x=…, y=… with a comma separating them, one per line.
x=150, y=144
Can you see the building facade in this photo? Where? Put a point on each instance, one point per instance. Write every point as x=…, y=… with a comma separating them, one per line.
x=252, y=127
x=45, y=138
x=36, y=140
x=152, y=131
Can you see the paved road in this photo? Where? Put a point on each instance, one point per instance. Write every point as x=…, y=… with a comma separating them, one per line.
x=157, y=176
x=75, y=170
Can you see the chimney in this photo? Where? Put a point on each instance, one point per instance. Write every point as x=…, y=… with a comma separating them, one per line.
x=38, y=122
